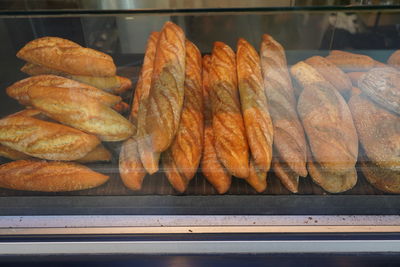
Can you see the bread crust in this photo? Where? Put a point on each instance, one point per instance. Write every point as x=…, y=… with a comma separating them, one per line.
x=286, y=175
x=178, y=181
x=355, y=76
x=289, y=137
x=45, y=140
x=257, y=178
x=257, y=120
x=165, y=101
x=99, y=153
x=66, y=56
x=394, y=59
x=230, y=137
x=20, y=89
x=45, y=176
x=13, y=154
x=384, y=179
x=72, y=108
x=211, y=167
x=350, y=62
x=130, y=167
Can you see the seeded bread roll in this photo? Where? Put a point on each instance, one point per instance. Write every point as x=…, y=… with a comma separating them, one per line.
x=66, y=56
x=257, y=121
x=165, y=99
x=45, y=176
x=211, y=167
x=45, y=140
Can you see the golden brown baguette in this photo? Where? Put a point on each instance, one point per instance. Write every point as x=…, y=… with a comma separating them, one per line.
x=289, y=138
x=45, y=140
x=382, y=85
x=212, y=169
x=130, y=167
x=13, y=154
x=330, y=72
x=111, y=84
x=66, y=56
x=378, y=131
x=257, y=178
x=20, y=89
x=350, y=62
x=77, y=110
x=99, y=153
x=45, y=176
x=355, y=76
x=148, y=156
x=329, y=127
x=384, y=179
x=257, y=121
x=165, y=99
x=230, y=136
x=178, y=181
x=185, y=150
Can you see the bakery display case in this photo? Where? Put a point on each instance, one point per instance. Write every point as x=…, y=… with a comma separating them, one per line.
x=200, y=130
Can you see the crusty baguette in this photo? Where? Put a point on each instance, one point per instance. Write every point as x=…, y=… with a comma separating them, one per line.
x=228, y=126
x=212, y=169
x=148, y=156
x=20, y=89
x=99, y=153
x=45, y=176
x=384, y=179
x=111, y=84
x=77, y=110
x=13, y=154
x=382, y=85
x=178, y=181
x=350, y=62
x=378, y=131
x=257, y=178
x=165, y=101
x=355, y=76
x=130, y=167
x=45, y=140
x=289, y=138
x=330, y=72
x=329, y=127
x=286, y=175
x=66, y=56
x=187, y=146
x=257, y=121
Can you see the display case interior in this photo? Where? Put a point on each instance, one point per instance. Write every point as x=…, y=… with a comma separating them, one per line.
x=302, y=33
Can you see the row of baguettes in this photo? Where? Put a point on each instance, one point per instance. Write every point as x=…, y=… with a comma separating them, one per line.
x=72, y=106
x=240, y=116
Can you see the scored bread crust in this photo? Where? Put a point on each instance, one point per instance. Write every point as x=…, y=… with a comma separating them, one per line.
x=230, y=136
x=72, y=108
x=187, y=146
x=257, y=120
x=257, y=178
x=165, y=99
x=178, y=181
x=20, y=89
x=211, y=167
x=45, y=176
x=289, y=137
x=130, y=167
x=45, y=140
x=67, y=56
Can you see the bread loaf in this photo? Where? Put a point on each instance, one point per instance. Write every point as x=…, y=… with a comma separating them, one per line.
x=378, y=131
x=178, y=181
x=382, y=85
x=306, y=75
x=350, y=62
x=257, y=178
x=330, y=72
x=45, y=176
x=66, y=56
x=394, y=59
x=77, y=110
x=20, y=89
x=99, y=153
x=229, y=133
x=45, y=140
x=384, y=179
x=13, y=154
x=165, y=99
x=187, y=146
x=212, y=169
x=130, y=167
x=257, y=121
x=289, y=138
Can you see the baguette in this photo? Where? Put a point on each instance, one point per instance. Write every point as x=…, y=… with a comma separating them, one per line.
x=13, y=154
x=99, y=153
x=130, y=167
x=350, y=62
x=77, y=110
x=45, y=140
x=382, y=85
x=331, y=73
x=45, y=176
x=228, y=127
x=289, y=138
x=187, y=146
x=165, y=101
x=257, y=121
x=178, y=181
x=257, y=178
x=66, y=56
x=20, y=89
x=378, y=130
x=111, y=84
x=148, y=156
x=212, y=169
